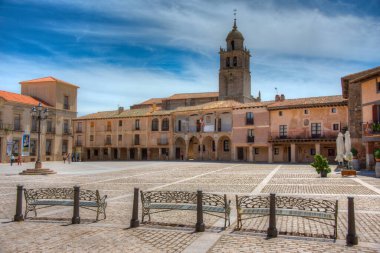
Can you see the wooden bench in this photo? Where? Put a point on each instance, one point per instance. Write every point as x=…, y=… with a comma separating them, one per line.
x=47, y=197
x=312, y=209
x=163, y=201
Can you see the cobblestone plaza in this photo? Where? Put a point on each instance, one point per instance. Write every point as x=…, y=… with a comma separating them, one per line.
x=173, y=231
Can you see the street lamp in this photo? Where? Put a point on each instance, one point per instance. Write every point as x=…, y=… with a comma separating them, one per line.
x=39, y=114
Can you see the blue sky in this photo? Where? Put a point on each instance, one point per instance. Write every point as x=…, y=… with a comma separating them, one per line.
x=122, y=52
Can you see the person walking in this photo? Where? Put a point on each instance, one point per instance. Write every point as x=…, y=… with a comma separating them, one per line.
x=68, y=158
x=12, y=159
x=64, y=158
x=19, y=161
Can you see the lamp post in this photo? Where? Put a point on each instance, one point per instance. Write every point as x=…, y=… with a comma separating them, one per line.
x=39, y=114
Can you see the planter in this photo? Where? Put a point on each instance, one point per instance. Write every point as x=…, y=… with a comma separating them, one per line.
x=323, y=173
x=346, y=173
x=377, y=168
x=355, y=164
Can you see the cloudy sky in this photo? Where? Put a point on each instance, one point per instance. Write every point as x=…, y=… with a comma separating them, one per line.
x=121, y=52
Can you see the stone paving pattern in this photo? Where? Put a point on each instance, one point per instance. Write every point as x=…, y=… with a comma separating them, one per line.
x=173, y=231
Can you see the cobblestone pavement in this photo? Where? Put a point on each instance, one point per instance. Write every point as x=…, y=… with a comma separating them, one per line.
x=172, y=231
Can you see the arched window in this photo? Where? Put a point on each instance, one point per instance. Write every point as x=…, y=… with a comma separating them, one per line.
x=235, y=61
x=165, y=125
x=155, y=125
x=233, y=45
x=226, y=146
x=227, y=61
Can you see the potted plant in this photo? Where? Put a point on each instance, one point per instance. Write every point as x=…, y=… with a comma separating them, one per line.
x=355, y=161
x=321, y=165
x=377, y=158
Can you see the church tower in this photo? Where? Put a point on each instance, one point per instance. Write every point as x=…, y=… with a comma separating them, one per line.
x=234, y=74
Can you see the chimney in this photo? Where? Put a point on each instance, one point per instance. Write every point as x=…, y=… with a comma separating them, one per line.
x=282, y=97
x=121, y=109
x=277, y=98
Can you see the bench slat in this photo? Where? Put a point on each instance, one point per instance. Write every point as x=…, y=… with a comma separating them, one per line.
x=54, y=202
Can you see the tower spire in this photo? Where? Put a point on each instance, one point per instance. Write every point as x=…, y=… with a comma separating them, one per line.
x=235, y=27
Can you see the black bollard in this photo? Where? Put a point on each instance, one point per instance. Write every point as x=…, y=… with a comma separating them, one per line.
x=351, y=238
x=135, y=215
x=272, y=230
x=18, y=215
x=199, y=226
x=76, y=218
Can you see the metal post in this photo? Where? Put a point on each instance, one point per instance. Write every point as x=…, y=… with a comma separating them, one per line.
x=76, y=218
x=135, y=216
x=199, y=226
x=351, y=238
x=18, y=215
x=272, y=230
x=38, y=164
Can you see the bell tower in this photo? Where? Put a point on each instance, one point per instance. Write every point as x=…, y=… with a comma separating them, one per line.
x=234, y=73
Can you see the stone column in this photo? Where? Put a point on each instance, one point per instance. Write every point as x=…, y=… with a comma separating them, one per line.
x=250, y=154
x=128, y=153
x=109, y=154
x=118, y=153
x=292, y=152
x=160, y=154
x=369, y=158
x=91, y=154
x=270, y=153
x=233, y=152
x=3, y=151
x=317, y=148
x=186, y=151
x=200, y=150
x=216, y=150
x=172, y=153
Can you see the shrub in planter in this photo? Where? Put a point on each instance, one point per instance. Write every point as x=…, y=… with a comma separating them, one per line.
x=321, y=165
x=354, y=152
x=377, y=155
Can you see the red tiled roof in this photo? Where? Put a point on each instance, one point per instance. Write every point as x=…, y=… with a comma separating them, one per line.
x=193, y=95
x=47, y=79
x=357, y=77
x=152, y=101
x=308, y=102
x=18, y=98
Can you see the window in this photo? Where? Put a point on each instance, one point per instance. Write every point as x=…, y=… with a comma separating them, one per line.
x=120, y=123
x=257, y=151
x=64, y=147
x=179, y=125
x=109, y=126
x=233, y=45
x=226, y=146
x=306, y=111
x=79, y=127
x=199, y=125
x=276, y=151
x=91, y=138
x=283, y=131
x=213, y=146
x=79, y=140
x=155, y=125
x=120, y=138
x=92, y=124
x=249, y=118
x=108, y=140
x=48, y=147
x=228, y=62
x=336, y=127
x=17, y=122
x=333, y=110
x=137, y=124
x=165, y=125
x=250, y=137
x=378, y=87
x=96, y=152
x=315, y=130
x=331, y=152
x=235, y=61
x=105, y=151
x=219, y=125
x=312, y=151
x=66, y=103
x=66, y=129
x=280, y=113
x=49, y=126
x=137, y=139
x=208, y=119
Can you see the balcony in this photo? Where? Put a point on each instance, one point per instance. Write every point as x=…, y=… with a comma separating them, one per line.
x=50, y=130
x=250, y=139
x=302, y=135
x=78, y=130
x=17, y=127
x=371, y=129
x=78, y=143
x=66, y=131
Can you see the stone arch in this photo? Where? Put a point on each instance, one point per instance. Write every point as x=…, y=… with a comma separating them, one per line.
x=180, y=148
x=193, y=150
x=209, y=148
x=224, y=148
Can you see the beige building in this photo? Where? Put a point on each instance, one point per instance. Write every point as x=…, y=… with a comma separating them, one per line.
x=15, y=119
x=362, y=90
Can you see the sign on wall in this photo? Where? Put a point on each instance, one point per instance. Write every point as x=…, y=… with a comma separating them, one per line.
x=25, y=145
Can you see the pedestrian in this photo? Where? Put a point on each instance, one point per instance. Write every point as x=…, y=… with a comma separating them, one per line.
x=19, y=161
x=12, y=159
x=64, y=158
x=68, y=157
x=77, y=158
x=73, y=157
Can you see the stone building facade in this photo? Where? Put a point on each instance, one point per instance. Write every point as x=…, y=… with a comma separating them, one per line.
x=15, y=119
